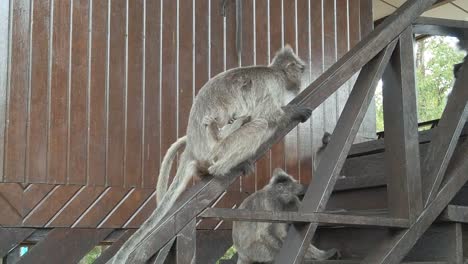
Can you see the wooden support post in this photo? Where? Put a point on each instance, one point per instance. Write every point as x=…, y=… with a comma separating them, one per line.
x=393, y=250
x=187, y=244
x=445, y=137
x=335, y=154
x=401, y=132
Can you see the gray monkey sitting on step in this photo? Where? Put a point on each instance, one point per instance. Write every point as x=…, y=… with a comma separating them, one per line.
x=259, y=242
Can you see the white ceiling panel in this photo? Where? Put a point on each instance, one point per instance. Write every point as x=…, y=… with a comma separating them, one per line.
x=383, y=8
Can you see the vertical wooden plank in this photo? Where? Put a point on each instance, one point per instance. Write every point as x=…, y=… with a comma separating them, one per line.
x=304, y=129
x=276, y=37
x=187, y=244
x=216, y=38
x=401, y=139
x=232, y=61
x=64, y=245
x=316, y=65
x=4, y=65
x=342, y=41
x=248, y=182
x=329, y=28
x=116, y=100
x=58, y=120
x=365, y=15
x=354, y=22
x=291, y=139
x=262, y=58
x=15, y=145
x=368, y=127
x=134, y=109
x=186, y=69
x=201, y=43
x=169, y=76
x=97, y=95
x=78, y=93
x=37, y=128
x=151, y=145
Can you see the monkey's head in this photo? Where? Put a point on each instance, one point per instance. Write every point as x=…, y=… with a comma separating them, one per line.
x=285, y=186
x=288, y=62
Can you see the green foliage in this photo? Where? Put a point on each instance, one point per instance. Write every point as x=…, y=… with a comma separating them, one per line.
x=435, y=57
x=92, y=255
x=228, y=255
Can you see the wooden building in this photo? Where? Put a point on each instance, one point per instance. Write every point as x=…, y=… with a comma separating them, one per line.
x=93, y=93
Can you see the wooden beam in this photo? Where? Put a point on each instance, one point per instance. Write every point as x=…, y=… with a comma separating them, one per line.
x=64, y=245
x=455, y=213
x=401, y=124
x=11, y=237
x=186, y=246
x=394, y=249
x=445, y=137
x=295, y=217
x=334, y=156
x=117, y=243
x=440, y=27
x=161, y=257
x=314, y=95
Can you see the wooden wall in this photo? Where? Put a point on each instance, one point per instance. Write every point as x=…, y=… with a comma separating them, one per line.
x=92, y=93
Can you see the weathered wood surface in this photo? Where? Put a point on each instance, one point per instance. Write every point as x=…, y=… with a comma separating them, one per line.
x=333, y=158
x=116, y=244
x=395, y=248
x=401, y=124
x=64, y=245
x=294, y=217
x=439, y=26
x=11, y=237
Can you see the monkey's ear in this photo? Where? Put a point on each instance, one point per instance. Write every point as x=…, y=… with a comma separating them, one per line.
x=288, y=48
x=278, y=171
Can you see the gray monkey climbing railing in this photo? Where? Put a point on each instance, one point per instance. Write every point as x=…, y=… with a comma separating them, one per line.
x=412, y=208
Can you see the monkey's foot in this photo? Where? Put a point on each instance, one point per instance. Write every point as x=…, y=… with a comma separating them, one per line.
x=297, y=112
x=247, y=167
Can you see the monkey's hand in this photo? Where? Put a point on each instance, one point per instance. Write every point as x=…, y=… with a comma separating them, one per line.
x=297, y=112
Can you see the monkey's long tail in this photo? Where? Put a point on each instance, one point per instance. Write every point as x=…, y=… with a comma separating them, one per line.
x=166, y=166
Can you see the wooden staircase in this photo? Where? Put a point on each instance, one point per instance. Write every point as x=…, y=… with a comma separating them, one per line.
x=417, y=189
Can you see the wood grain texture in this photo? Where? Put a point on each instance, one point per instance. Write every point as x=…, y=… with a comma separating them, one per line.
x=97, y=95
x=36, y=162
x=134, y=108
x=15, y=147
x=151, y=139
x=77, y=134
x=59, y=95
x=116, y=97
x=64, y=245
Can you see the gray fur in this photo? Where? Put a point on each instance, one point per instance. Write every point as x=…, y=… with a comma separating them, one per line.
x=257, y=92
x=318, y=155
x=259, y=242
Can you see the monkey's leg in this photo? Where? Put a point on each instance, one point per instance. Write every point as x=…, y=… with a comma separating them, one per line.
x=238, y=147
